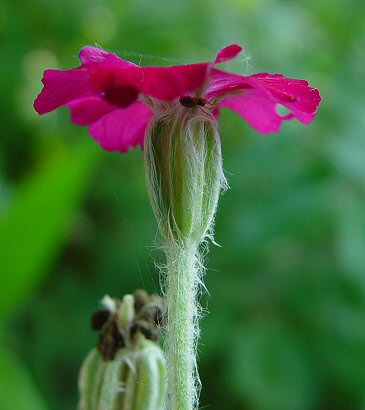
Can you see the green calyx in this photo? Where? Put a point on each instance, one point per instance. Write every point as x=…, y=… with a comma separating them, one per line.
x=184, y=173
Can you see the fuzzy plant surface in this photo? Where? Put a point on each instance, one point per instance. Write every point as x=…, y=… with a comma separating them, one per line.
x=172, y=112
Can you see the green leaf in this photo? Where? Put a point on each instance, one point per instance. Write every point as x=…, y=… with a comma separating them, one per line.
x=37, y=222
x=17, y=390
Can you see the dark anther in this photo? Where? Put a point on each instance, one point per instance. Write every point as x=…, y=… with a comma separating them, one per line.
x=140, y=299
x=111, y=340
x=99, y=319
x=191, y=102
x=151, y=313
x=145, y=328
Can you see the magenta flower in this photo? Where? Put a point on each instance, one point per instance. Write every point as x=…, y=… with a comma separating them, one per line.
x=117, y=98
x=173, y=112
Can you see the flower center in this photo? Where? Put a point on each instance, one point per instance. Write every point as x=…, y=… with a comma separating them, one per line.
x=191, y=102
x=121, y=96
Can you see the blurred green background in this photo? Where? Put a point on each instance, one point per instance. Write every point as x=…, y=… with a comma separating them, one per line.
x=286, y=329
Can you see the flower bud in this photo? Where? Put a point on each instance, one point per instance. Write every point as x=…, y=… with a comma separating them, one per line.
x=184, y=172
x=129, y=375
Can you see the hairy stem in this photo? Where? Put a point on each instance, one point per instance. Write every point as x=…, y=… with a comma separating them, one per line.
x=184, y=177
x=182, y=283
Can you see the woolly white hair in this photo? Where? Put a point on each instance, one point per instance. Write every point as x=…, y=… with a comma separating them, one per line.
x=184, y=177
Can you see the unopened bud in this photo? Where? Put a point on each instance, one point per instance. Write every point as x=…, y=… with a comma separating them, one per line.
x=127, y=370
x=184, y=173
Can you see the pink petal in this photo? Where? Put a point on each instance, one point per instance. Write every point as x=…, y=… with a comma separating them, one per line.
x=257, y=109
x=61, y=87
x=164, y=83
x=115, y=84
x=168, y=83
x=85, y=111
x=228, y=53
x=122, y=129
x=222, y=83
x=89, y=55
x=294, y=94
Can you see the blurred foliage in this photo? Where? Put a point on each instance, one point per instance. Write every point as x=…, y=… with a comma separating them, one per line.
x=287, y=289
x=17, y=390
x=39, y=210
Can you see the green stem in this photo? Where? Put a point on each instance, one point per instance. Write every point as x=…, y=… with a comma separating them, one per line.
x=181, y=290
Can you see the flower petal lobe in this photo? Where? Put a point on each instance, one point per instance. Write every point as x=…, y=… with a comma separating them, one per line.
x=228, y=53
x=85, y=111
x=61, y=87
x=122, y=129
x=89, y=55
